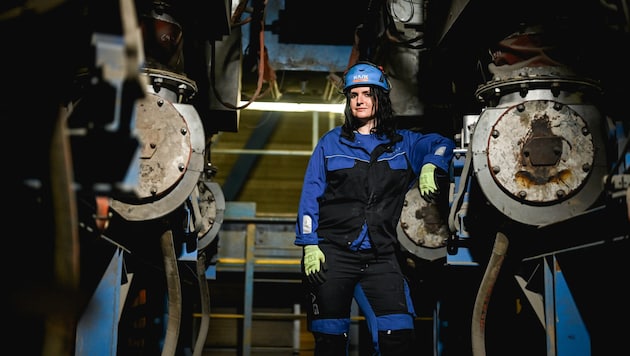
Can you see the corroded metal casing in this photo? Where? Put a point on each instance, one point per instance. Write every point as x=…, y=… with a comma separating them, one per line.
x=171, y=159
x=539, y=156
x=422, y=228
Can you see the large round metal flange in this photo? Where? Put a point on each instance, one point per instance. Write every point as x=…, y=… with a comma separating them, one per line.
x=540, y=161
x=212, y=208
x=538, y=81
x=171, y=158
x=171, y=86
x=421, y=229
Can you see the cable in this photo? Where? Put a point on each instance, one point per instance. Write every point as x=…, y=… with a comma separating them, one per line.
x=261, y=70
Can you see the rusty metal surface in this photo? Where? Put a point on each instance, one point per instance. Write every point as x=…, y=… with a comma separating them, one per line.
x=540, y=152
x=540, y=160
x=422, y=230
x=174, y=87
x=165, y=141
x=212, y=208
x=171, y=160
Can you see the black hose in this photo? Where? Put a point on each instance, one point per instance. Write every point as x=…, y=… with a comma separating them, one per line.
x=205, y=304
x=174, y=294
x=480, y=310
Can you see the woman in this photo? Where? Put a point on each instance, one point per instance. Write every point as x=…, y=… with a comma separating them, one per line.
x=352, y=196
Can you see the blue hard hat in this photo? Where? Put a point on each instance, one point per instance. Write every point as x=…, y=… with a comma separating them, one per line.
x=364, y=73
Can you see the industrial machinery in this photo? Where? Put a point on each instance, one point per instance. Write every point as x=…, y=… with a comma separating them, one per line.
x=125, y=171
x=118, y=213
x=541, y=170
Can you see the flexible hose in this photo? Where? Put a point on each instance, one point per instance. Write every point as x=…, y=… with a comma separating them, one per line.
x=453, y=222
x=205, y=304
x=480, y=310
x=174, y=294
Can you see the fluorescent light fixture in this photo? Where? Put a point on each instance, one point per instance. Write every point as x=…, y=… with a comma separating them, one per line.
x=293, y=107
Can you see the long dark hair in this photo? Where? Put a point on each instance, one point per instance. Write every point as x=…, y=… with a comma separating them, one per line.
x=384, y=115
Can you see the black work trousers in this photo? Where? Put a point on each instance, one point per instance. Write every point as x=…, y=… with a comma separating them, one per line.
x=374, y=279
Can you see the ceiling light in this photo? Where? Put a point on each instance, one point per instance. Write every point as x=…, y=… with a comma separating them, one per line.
x=293, y=107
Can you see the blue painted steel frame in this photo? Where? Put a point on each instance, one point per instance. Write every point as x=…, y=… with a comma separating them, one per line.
x=97, y=330
x=566, y=332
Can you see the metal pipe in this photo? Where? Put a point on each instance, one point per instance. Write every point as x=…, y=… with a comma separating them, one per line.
x=174, y=294
x=296, y=329
x=314, y=130
x=483, y=295
x=249, y=291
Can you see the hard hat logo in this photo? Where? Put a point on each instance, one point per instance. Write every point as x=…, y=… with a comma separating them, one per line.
x=360, y=78
x=364, y=73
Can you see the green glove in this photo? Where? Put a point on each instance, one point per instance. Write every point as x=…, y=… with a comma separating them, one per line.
x=429, y=189
x=314, y=264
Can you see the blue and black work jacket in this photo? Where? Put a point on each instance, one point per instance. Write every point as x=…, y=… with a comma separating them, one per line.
x=349, y=184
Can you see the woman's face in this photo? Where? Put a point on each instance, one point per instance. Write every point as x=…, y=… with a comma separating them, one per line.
x=362, y=103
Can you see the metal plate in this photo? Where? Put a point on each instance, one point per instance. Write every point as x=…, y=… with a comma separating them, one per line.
x=171, y=162
x=212, y=208
x=540, y=152
x=539, y=161
x=421, y=229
